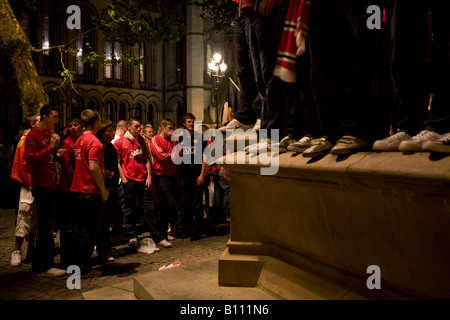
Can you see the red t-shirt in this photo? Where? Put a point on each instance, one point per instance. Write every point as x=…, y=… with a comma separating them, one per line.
x=20, y=170
x=246, y=3
x=39, y=157
x=86, y=148
x=162, y=156
x=134, y=155
x=67, y=160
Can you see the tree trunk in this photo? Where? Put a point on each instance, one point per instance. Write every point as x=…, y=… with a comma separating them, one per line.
x=15, y=44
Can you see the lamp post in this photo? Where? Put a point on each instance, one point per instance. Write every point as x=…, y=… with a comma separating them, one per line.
x=217, y=68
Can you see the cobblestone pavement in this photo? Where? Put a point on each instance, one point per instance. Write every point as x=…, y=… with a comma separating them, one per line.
x=21, y=283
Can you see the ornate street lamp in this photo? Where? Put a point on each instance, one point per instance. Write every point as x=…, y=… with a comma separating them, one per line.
x=217, y=68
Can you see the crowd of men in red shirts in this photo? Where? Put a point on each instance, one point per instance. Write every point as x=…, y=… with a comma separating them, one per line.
x=105, y=180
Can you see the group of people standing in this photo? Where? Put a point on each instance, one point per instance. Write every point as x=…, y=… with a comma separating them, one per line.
x=109, y=179
x=344, y=76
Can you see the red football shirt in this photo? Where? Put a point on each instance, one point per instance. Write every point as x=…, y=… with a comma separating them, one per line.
x=134, y=155
x=67, y=160
x=87, y=147
x=20, y=170
x=162, y=156
x=39, y=157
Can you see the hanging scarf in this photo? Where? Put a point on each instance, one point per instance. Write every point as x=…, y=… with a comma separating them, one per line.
x=136, y=146
x=292, y=42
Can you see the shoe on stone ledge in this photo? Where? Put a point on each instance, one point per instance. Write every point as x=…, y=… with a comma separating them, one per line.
x=416, y=143
x=390, y=143
x=235, y=124
x=348, y=144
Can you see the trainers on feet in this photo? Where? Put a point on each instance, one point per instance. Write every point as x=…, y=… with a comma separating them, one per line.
x=318, y=147
x=440, y=145
x=133, y=243
x=264, y=144
x=55, y=272
x=390, y=143
x=170, y=238
x=257, y=125
x=16, y=258
x=235, y=124
x=284, y=143
x=415, y=143
x=348, y=144
x=165, y=244
x=300, y=145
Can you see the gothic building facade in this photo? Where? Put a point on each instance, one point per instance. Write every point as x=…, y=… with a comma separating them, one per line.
x=173, y=80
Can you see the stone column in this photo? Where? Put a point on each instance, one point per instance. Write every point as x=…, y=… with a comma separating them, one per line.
x=195, y=61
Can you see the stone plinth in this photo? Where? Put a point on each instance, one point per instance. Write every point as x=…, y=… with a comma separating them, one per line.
x=327, y=220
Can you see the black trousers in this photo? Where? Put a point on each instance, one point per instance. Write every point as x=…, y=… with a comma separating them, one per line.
x=133, y=190
x=191, y=197
x=166, y=189
x=344, y=67
x=250, y=102
x=45, y=245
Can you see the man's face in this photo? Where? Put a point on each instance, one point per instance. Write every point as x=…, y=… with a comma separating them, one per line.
x=167, y=130
x=109, y=134
x=134, y=128
x=148, y=133
x=189, y=124
x=52, y=120
x=74, y=129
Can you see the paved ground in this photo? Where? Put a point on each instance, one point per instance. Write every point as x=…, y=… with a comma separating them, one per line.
x=21, y=283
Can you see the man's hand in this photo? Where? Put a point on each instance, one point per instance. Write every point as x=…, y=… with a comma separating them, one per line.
x=200, y=180
x=60, y=153
x=148, y=182
x=105, y=195
x=54, y=140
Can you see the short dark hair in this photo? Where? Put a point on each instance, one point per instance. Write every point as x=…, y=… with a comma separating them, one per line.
x=47, y=110
x=132, y=119
x=74, y=119
x=105, y=125
x=187, y=116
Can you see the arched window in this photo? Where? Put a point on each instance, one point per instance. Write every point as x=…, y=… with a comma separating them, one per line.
x=138, y=112
x=76, y=107
x=91, y=104
x=150, y=113
x=180, y=113
x=109, y=115
x=122, y=111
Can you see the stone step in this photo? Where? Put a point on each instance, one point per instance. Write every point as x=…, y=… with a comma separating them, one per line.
x=119, y=291
x=198, y=281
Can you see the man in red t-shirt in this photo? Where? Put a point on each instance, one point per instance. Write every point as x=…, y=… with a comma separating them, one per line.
x=89, y=189
x=64, y=203
x=40, y=148
x=26, y=220
x=135, y=173
x=165, y=175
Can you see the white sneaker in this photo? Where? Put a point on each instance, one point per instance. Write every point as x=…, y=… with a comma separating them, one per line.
x=55, y=272
x=16, y=258
x=415, y=143
x=165, y=244
x=390, y=143
x=264, y=144
x=301, y=145
x=235, y=124
x=170, y=238
x=284, y=144
x=440, y=145
x=133, y=243
x=257, y=125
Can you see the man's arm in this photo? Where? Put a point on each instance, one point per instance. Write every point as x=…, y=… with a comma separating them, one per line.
x=148, y=183
x=97, y=175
